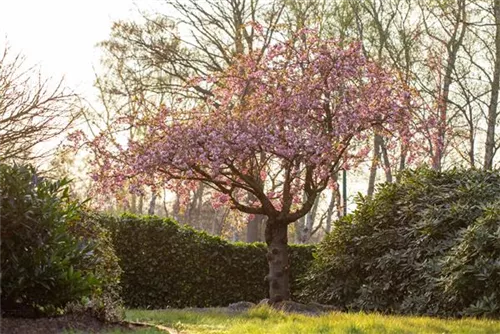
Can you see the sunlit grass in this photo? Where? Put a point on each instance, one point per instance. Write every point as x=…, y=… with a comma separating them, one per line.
x=266, y=320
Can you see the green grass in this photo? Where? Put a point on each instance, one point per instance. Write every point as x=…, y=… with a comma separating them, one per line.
x=265, y=320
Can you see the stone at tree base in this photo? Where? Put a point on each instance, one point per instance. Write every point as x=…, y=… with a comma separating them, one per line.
x=241, y=306
x=289, y=306
x=264, y=301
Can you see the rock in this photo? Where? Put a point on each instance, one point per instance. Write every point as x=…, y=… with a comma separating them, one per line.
x=324, y=308
x=294, y=307
x=264, y=301
x=240, y=306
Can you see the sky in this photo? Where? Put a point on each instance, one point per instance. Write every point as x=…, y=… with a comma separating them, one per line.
x=61, y=35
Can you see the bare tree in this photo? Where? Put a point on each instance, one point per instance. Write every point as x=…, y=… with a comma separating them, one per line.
x=33, y=110
x=491, y=146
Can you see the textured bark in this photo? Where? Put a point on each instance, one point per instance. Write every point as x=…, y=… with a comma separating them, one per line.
x=310, y=217
x=152, y=204
x=176, y=208
x=277, y=258
x=387, y=162
x=493, y=105
x=141, y=205
x=192, y=216
x=453, y=46
x=329, y=212
x=254, y=228
x=377, y=140
x=133, y=203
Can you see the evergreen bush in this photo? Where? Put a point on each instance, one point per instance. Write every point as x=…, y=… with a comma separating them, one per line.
x=40, y=258
x=427, y=245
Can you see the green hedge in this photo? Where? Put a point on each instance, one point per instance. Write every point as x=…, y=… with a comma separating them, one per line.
x=428, y=245
x=168, y=265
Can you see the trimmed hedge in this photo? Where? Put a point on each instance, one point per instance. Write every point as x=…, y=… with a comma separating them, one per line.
x=168, y=265
x=428, y=245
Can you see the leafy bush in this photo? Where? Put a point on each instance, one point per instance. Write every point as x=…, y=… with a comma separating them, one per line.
x=50, y=255
x=105, y=300
x=40, y=258
x=167, y=265
x=428, y=245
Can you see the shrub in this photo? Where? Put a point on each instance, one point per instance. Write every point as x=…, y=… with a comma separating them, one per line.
x=168, y=265
x=40, y=258
x=53, y=254
x=105, y=300
x=428, y=245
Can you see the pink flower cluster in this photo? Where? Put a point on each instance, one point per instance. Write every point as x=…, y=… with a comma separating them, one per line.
x=279, y=123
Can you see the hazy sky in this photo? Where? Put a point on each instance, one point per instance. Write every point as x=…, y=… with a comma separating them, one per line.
x=61, y=35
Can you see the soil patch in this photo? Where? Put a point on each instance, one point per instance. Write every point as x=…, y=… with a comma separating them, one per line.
x=84, y=323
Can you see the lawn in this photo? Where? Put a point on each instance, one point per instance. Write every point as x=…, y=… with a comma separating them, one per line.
x=265, y=320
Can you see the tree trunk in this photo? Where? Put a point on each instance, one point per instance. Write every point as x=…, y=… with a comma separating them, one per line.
x=387, y=162
x=141, y=204
x=253, y=228
x=152, y=204
x=329, y=212
x=133, y=203
x=298, y=227
x=309, y=223
x=176, y=209
x=495, y=85
x=277, y=258
x=375, y=161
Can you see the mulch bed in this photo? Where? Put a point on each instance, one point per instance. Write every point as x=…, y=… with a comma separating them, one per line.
x=84, y=323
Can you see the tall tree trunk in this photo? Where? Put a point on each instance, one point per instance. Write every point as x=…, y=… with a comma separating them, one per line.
x=133, y=203
x=309, y=223
x=192, y=216
x=387, y=162
x=402, y=161
x=253, y=228
x=152, y=204
x=329, y=212
x=277, y=258
x=377, y=139
x=165, y=208
x=176, y=209
x=453, y=47
x=299, y=226
x=493, y=105
x=141, y=204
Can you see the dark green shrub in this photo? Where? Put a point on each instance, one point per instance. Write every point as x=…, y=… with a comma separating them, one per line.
x=428, y=245
x=167, y=265
x=105, y=301
x=41, y=260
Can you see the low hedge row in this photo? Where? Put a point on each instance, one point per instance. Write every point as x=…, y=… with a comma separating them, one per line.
x=168, y=265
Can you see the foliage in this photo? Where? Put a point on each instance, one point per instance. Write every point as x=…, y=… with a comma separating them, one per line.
x=428, y=245
x=105, y=301
x=266, y=320
x=41, y=260
x=285, y=112
x=168, y=265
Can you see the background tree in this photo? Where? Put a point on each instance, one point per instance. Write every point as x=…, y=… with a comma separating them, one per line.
x=492, y=145
x=33, y=110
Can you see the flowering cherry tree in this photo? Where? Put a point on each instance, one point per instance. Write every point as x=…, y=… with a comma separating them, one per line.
x=278, y=125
